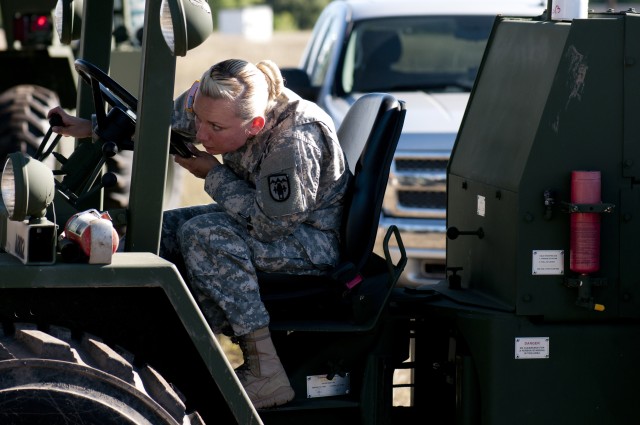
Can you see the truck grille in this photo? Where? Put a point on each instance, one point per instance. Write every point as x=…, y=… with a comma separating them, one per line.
x=420, y=164
x=417, y=186
x=422, y=199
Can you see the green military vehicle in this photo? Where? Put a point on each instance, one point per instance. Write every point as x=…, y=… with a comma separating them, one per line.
x=38, y=74
x=537, y=321
x=125, y=342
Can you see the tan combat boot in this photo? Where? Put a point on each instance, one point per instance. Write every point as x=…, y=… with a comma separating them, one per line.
x=262, y=374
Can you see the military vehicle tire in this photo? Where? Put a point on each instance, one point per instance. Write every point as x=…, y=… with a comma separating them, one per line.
x=51, y=377
x=23, y=118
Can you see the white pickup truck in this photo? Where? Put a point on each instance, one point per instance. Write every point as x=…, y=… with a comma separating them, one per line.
x=426, y=53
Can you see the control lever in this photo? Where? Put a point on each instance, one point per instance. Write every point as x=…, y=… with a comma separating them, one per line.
x=108, y=180
x=54, y=121
x=109, y=150
x=454, y=232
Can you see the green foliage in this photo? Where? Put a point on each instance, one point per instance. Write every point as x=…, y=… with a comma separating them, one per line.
x=304, y=12
x=235, y=4
x=284, y=21
x=217, y=5
x=288, y=14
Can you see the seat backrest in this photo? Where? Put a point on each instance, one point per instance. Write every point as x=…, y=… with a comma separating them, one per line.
x=368, y=135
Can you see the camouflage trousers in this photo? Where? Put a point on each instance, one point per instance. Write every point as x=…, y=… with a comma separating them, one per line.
x=220, y=260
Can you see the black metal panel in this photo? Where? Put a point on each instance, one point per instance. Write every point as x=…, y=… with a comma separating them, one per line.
x=629, y=289
x=589, y=376
x=580, y=129
x=504, y=111
x=583, y=373
x=548, y=101
x=488, y=263
x=631, y=83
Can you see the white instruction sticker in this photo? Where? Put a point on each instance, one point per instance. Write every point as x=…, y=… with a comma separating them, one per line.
x=481, y=208
x=320, y=386
x=547, y=262
x=532, y=348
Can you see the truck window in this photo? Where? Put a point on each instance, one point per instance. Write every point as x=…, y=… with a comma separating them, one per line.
x=325, y=51
x=415, y=53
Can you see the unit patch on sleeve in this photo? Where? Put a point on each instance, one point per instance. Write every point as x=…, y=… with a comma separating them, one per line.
x=279, y=187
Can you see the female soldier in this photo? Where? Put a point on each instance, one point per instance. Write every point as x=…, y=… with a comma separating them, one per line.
x=278, y=203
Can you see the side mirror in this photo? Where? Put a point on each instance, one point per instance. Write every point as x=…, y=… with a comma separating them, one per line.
x=297, y=80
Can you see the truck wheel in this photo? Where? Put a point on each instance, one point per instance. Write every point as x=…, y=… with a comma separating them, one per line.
x=50, y=377
x=23, y=118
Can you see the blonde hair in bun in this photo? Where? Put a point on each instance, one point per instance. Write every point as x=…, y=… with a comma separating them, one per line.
x=254, y=88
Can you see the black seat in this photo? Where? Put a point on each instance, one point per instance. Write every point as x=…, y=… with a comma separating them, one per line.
x=353, y=291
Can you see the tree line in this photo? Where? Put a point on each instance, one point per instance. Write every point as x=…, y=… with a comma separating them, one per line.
x=288, y=14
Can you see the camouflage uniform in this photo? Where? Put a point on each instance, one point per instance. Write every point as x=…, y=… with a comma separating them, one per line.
x=278, y=207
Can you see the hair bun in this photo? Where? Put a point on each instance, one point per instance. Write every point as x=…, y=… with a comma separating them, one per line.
x=273, y=77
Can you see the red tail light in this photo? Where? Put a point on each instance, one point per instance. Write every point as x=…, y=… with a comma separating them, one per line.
x=34, y=29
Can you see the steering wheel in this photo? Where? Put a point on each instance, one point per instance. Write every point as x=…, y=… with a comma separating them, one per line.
x=119, y=124
x=91, y=73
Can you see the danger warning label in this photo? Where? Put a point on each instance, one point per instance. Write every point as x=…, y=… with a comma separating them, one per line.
x=532, y=348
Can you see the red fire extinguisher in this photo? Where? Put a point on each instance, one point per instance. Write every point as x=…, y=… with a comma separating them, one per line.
x=585, y=226
x=94, y=234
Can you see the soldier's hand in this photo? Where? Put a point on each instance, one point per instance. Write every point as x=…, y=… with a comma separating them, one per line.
x=200, y=164
x=71, y=125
